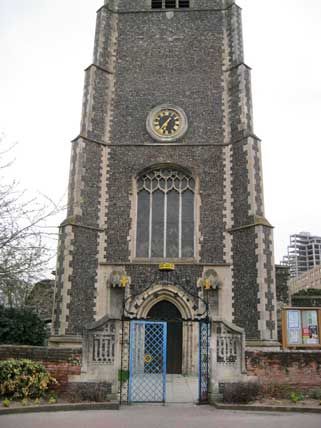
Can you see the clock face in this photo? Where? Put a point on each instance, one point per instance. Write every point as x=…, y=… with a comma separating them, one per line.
x=166, y=123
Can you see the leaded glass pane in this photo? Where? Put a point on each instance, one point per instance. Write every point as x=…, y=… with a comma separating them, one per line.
x=172, y=224
x=142, y=240
x=154, y=184
x=162, y=183
x=147, y=183
x=176, y=225
x=184, y=184
x=158, y=224
x=188, y=224
x=191, y=184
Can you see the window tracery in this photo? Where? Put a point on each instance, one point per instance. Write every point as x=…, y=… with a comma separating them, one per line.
x=165, y=214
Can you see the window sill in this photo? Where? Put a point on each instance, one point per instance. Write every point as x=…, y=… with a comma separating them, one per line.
x=157, y=261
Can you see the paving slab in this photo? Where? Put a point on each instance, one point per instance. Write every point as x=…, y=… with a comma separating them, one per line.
x=268, y=408
x=158, y=416
x=67, y=407
x=181, y=389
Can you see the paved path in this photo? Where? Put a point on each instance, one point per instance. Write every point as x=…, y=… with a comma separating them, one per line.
x=181, y=389
x=157, y=416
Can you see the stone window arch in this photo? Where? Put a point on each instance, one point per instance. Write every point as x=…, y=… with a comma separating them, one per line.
x=165, y=214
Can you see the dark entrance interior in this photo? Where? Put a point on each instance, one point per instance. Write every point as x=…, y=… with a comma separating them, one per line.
x=166, y=311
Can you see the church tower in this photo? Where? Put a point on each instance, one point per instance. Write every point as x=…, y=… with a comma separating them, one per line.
x=166, y=169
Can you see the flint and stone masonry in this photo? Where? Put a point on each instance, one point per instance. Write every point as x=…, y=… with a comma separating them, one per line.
x=190, y=57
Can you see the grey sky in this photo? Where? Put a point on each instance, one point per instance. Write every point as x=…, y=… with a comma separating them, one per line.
x=46, y=44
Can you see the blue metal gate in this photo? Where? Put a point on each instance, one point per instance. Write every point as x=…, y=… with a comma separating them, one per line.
x=147, y=364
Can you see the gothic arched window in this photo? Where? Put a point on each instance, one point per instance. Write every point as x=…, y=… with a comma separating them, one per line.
x=165, y=214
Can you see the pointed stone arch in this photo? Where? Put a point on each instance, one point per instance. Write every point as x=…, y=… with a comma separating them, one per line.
x=188, y=308
x=141, y=305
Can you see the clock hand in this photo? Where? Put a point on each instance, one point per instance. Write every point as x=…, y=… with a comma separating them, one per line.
x=164, y=126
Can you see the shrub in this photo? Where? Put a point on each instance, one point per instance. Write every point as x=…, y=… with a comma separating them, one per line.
x=6, y=403
x=22, y=379
x=53, y=399
x=276, y=390
x=89, y=391
x=21, y=327
x=316, y=394
x=241, y=392
x=123, y=376
x=309, y=292
x=24, y=402
x=296, y=396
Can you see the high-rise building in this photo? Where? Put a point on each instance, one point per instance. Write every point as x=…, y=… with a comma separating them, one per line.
x=304, y=253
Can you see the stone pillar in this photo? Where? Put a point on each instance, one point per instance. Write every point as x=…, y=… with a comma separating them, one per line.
x=82, y=238
x=248, y=236
x=227, y=356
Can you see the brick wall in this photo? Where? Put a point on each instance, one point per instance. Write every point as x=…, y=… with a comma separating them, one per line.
x=300, y=369
x=60, y=363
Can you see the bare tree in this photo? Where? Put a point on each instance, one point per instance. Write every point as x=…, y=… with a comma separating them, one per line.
x=25, y=237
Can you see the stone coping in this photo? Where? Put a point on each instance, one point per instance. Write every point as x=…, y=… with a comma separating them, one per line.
x=266, y=408
x=60, y=408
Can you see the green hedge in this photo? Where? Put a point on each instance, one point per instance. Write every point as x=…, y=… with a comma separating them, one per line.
x=21, y=327
x=308, y=292
x=20, y=379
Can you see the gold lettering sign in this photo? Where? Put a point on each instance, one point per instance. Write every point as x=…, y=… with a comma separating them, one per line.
x=167, y=266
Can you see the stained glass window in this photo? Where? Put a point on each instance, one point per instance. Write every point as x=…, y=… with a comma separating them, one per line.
x=165, y=214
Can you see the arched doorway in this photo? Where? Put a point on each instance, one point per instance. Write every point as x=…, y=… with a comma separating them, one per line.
x=167, y=311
